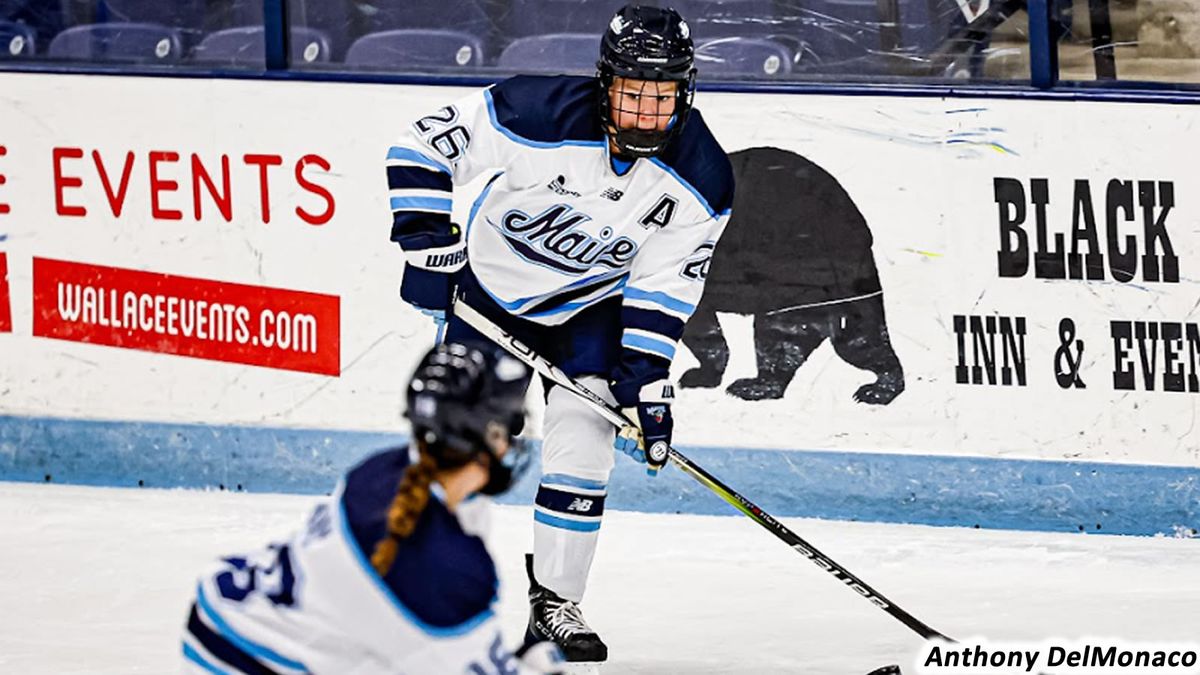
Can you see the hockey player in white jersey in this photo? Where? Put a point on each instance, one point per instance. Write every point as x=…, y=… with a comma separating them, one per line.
x=590, y=243
x=388, y=575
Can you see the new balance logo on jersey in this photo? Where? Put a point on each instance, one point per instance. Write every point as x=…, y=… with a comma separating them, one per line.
x=580, y=504
x=559, y=186
x=554, y=239
x=613, y=194
x=436, y=260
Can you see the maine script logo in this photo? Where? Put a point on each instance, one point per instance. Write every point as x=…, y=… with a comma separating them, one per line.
x=552, y=239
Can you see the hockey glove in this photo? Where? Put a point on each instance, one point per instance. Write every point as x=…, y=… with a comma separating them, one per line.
x=648, y=443
x=433, y=263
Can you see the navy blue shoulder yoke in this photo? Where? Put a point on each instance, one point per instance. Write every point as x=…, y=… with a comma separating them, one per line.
x=547, y=109
x=698, y=160
x=442, y=575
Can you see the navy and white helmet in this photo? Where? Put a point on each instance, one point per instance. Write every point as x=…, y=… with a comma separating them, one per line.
x=460, y=397
x=647, y=43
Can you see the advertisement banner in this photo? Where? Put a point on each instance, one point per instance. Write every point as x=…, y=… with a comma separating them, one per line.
x=237, y=323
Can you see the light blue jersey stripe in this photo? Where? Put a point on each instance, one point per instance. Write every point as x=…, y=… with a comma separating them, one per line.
x=409, y=155
x=573, y=481
x=564, y=524
x=660, y=298
x=515, y=306
x=423, y=203
x=479, y=200
x=647, y=344
x=256, y=650
x=572, y=306
x=194, y=656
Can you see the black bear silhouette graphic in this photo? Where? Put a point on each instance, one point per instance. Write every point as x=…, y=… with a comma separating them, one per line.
x=797, y=256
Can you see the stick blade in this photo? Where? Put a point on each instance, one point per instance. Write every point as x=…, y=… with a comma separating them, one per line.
x=886, y=670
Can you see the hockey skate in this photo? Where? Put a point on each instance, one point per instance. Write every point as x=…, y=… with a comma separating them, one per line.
x=558, y=620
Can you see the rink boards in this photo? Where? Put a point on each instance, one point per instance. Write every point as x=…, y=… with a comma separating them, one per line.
x=199, y=290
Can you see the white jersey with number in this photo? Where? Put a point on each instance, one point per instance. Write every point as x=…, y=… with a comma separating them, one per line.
x=561, y=226
x=314, y=604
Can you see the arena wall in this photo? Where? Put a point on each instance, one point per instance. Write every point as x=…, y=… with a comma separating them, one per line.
x=974, y=312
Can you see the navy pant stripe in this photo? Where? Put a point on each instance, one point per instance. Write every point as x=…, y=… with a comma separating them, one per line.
x=224, y=649
x=562, y=501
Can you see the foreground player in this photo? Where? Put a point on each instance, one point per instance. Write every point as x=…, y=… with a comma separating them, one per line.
x=590, y=243
x=387, y=575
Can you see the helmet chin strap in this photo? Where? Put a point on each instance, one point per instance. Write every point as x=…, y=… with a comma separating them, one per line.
x=639, y=142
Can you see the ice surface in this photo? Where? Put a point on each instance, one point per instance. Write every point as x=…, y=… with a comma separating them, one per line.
x=96, y=580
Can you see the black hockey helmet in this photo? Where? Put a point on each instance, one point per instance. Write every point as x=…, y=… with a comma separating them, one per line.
x=647, y=43
x=460, y=398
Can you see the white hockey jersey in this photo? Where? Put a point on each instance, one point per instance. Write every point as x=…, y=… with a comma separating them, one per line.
x=314, y=604
x=559, y=228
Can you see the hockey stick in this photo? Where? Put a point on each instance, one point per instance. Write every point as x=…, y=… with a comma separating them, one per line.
x=617, y=418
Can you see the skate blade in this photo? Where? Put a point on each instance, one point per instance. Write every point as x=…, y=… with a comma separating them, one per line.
x=582, y=667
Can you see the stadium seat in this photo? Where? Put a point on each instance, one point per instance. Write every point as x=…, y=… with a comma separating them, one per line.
x=43, y=18
x=138, y=42
x=331, y=17
x=528, y=18
x=461, y=15
x=711, y=19
x=246, y=46
x=743, y=58
x=856, y=36
x=556, y=53
x=189, y=16
x=842, y=31
x=10, y=7
x=174, y=13
x=404, y=49
x=17, y=41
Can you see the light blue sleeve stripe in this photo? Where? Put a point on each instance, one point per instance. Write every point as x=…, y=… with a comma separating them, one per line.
x=428, y=203
x=480, y=199
x=491, y=106
x=564, y=524
x=380, y=585
x=194, y=656
x=660, y=298
x=410, y=155
x=256, y=650
x=574, y=481
x=645, y=344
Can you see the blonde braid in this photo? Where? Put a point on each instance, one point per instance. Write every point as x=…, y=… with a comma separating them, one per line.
x=411, y=497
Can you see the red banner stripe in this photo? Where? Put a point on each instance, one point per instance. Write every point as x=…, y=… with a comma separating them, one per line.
x=185, y=316
x=5, y=308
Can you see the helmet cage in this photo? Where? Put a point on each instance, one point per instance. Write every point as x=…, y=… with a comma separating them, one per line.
x=644, y=142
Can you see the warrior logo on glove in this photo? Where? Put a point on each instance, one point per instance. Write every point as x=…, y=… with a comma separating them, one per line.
x=658, y=453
